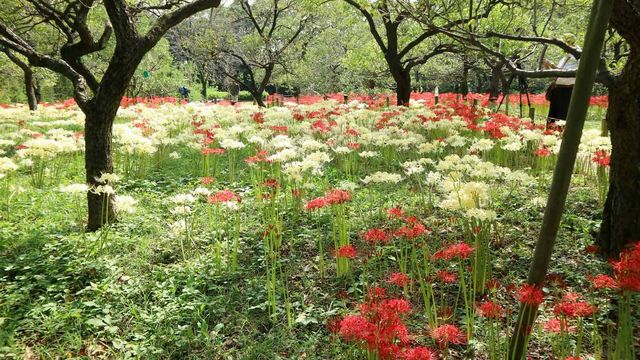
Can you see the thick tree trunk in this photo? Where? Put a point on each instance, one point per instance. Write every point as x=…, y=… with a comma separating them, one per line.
x=621, y=216
x=98, y=160
x=403, y=86
x=30, y=89
x=100, y=113
x=257, y=96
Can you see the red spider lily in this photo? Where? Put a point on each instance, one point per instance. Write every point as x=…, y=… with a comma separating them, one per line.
x=320, y=126
x=573, y=358
x=627, y=269
x=413, y=232
x=419, y=353
x=399, y=279
x=448, y=334
x=447, y=277
x=395, y=213
x=280, y=129
x=542, y=152
x=346, y=251
x=271, y=183
x=604, y=282
x=602, y=158
x=317, y=203
x=455, y=251
x=530, y=295
x=375, y=236
x=376, y=293
x=223, y=196
x=558, y=326
x=258, y=118
x=379, y=327
x=260, y=156
x=337, y=196
x=498, y=121
x=572, y=308
x=298, y=117
x=352, y=132
x=353, y=145
x=206, y=180
x=208, y=151
x=490, y=309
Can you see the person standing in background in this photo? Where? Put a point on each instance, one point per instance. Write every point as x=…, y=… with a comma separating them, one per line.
x=559, y=92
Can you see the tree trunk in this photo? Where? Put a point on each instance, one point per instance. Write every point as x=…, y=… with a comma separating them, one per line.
x=204, y=82
x=257, y=96
x=100, y=113
x=464, y=84
x=403, y=86
x=30, y=89
x=98, y=160
x=494, y=83
x=621, y=216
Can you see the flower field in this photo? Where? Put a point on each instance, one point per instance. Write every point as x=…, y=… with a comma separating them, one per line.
x=317, y=230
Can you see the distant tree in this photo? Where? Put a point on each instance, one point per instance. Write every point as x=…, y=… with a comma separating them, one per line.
x=255, y=38
x=30, y=84
x=392, y=24
x=98, y=98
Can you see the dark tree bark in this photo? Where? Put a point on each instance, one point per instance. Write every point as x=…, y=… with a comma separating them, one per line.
x=30, y=86
x=464, y=83
x=621, y=215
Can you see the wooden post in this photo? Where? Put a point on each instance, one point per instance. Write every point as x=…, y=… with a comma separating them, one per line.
x=475, y=103
x=346, y=98
x=532, y=113
x=585, y=77
x=388, y=101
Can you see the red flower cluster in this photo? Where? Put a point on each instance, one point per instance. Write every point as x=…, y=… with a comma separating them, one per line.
x=209, y=151
x=455, y=251
x=572, y=308
x=530, y=295
x=627, y=269
x=602, y=158
x=206, y=180
x=542, y=152
x=490, y=309
x=258, y=118
x=399, y=279
x=500, y=120
x=447, y=277
x=558, y=326
x=346, y=252
x=333, y=197
x=420, y=353
x=412, y=232
x=395, y=213
x=223, y=196
x=448, y=334
x=379, y=327
x=259, y=157
x=375, y=236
